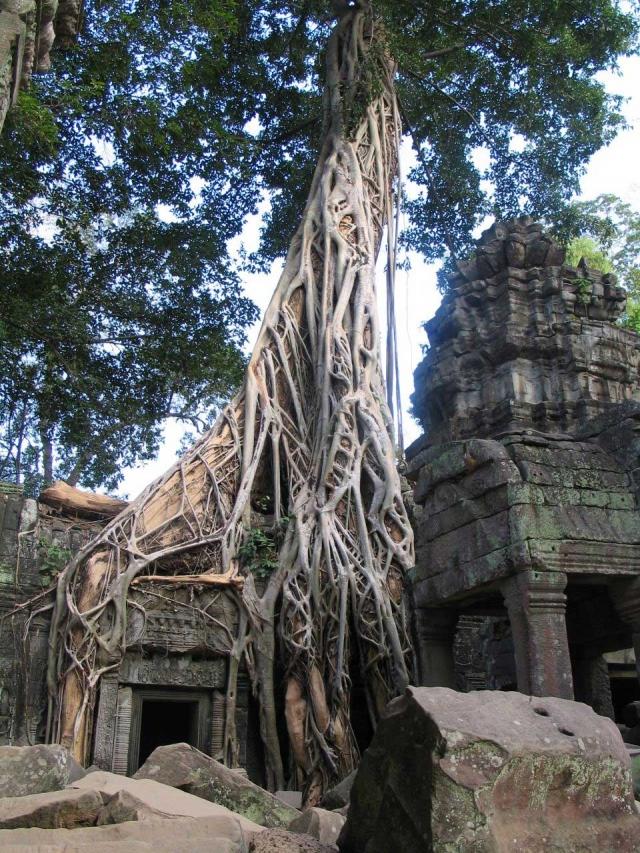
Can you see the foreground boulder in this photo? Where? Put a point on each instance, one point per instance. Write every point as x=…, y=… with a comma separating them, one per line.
x=52, y=810
x=492, y=771
x=184, y=767
x=140, y=799
x=221, y=834
x=36, y=769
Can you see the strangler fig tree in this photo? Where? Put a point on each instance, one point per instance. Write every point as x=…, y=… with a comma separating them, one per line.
x=308, y=438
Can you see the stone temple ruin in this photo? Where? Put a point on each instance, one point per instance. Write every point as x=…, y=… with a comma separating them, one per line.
x=526, y=485
x=527, y=475
x=170, y=684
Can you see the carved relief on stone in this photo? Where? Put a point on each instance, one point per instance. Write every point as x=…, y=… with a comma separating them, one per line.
x=522, y=341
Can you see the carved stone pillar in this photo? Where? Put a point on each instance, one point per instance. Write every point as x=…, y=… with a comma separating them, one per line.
x=435, y=633
x=537, y=605
x=105, y=722
x=592, y=684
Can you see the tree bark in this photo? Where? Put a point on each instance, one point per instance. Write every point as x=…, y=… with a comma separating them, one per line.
x=47, y=456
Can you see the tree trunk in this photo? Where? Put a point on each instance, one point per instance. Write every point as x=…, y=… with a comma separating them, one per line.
x=47, y=456
x=309, y=436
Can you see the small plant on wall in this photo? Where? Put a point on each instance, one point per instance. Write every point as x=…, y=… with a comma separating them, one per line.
x=53, y=558
x=259, y=551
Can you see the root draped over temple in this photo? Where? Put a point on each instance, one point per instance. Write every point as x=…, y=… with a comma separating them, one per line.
x=291, y=505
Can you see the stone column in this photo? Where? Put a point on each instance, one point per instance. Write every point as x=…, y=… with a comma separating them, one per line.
x=537, y=604
x=435, y=633
x=242, y=717
x=105, y=722
x=592, y=684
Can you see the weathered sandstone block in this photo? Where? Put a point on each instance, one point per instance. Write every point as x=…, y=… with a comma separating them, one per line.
x=137, y=799
x=491, y=772
x=52, y=810
x=221, y=834
x=321, y=824
x=184, y=767
x=35, y=769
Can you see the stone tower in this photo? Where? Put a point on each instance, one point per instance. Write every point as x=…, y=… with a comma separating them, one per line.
x=528, y=471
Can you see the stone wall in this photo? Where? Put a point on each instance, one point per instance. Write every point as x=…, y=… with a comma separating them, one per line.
x=28, y=29
x=178, y=643
x=35, y=542
x=483, y=654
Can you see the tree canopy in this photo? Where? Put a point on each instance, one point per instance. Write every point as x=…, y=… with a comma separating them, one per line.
x=128, y=168
x=609, y=241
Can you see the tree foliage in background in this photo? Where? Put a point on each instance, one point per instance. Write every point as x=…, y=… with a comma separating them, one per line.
x=115, y=317
x=610, y=242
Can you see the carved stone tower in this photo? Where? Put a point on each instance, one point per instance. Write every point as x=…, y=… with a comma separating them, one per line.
x=528, y=470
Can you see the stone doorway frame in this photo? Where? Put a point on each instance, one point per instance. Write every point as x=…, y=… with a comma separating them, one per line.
x=170, y=695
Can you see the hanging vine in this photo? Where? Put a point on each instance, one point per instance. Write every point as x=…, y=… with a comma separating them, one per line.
x=308, y=442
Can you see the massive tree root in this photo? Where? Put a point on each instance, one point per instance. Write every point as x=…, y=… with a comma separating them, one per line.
x=307, y=441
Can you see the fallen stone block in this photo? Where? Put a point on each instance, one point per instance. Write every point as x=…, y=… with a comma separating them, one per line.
x=281, y=841
x=145, y=797
x=123, y=807
x=490, y=772
x=222, y=834
x=51, y=810
x=338, y=796
x=103, y=781
x=37, y=769
x=290, y=798
x=134, y=799
x=320, y=824
x=184, y=767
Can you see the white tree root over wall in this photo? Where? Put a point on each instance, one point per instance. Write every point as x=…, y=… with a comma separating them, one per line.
x=311, y=430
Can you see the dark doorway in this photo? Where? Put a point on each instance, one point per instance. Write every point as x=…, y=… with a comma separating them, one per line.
x=625, y=688
x=359, y=705
x=164, y=716
x=162, y=723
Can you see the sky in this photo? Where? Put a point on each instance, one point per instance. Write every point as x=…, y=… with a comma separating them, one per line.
x=614, y=169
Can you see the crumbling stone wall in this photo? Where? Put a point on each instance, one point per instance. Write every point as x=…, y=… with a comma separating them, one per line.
x=521, y=341
x=483, y=654
x=35, y=541
x=181, y=645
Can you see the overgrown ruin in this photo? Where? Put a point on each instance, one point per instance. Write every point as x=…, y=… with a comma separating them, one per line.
x=527, y=475
x=282, y=533
x=526, y=522
x=260, y=600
